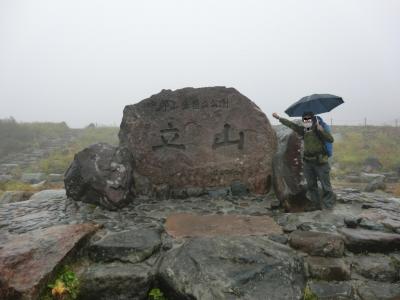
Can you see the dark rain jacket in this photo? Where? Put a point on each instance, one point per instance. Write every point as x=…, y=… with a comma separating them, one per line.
x=314, y=147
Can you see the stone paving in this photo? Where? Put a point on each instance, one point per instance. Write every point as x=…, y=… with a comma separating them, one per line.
x=358, y=219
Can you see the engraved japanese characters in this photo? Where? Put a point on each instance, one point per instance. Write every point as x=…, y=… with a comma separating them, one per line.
x=201, y=138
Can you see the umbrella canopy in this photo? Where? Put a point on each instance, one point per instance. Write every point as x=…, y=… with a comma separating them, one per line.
x=316, y=103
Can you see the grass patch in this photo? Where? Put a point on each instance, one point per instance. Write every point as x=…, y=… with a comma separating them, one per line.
x=358, y=143
x=17, y=136
x=156, y=294
x=308, y=294
x=15, y=185
x=64, y=287
x=59, y=161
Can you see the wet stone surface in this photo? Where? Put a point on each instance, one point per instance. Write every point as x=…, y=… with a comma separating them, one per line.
x=136, y=241
x=189, y=225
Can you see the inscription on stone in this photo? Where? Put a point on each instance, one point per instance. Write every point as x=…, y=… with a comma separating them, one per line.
x=168, y=138
x=199, y=137
x=222, y=139
x=166, y=105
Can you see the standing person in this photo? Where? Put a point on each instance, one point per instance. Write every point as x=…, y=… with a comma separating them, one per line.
x=315, y=158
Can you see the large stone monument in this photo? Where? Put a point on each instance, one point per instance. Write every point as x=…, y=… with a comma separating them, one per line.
x=203, y=138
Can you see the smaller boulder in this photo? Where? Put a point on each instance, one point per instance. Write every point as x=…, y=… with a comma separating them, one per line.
x=28, y=260
x=372, y=164
x=376, y=184
x=116, y=281
x=129, y=246
x=375, y=266
x=372, y=290
x=317, y=243
x=324, y=290
x=33, y=178
x=327, y=268
x=362, y=240
x=351, y=221
x=103, y=175
x=239, y=188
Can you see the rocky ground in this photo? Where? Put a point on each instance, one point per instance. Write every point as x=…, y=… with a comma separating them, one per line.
x=14, y=163
x=220, y=247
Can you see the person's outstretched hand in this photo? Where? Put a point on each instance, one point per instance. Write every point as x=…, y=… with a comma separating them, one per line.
x=275, y=115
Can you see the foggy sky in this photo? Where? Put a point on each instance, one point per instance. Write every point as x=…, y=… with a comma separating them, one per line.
x=82, y=61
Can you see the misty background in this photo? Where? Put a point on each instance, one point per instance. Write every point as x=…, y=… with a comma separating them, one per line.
x=83, y=61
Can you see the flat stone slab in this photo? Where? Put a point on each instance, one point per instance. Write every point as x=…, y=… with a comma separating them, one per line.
x=129, y=246
x=373, y=290
x=376, y=266
x=189, y=225
x=28, y=260
x=325, y=290
x=116, y=281
x=361, y=240
x=317, y=243
x=227, y=267
x=327, y=268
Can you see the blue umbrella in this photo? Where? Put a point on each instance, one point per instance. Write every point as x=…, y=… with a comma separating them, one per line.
x=316, y=103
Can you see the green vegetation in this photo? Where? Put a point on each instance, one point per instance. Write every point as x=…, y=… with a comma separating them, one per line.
x=93, y=135
x=308, y=294
x=16, y=137
x=15, y=185
x=59, y=161
x=358, y=143
x=65, y=286
x=156, y=294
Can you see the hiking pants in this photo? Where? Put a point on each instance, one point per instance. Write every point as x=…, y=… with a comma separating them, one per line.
x=314, y=172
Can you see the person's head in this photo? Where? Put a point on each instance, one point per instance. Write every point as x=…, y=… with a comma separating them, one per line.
x=308, y=119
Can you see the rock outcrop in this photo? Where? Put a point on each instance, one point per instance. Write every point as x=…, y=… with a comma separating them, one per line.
x=288, y=180
x=216, y=249
x=128, y=246
x=231, y=268
x=28, y=260
x=103, y=175
x=372, y=164
x=199, y=138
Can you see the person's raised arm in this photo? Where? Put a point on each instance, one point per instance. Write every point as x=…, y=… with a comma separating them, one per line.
x=297, y=128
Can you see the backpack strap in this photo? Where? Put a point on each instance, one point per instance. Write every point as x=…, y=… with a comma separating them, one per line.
x=318, y=134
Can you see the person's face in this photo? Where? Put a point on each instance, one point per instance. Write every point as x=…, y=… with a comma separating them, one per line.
x=307, y=121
